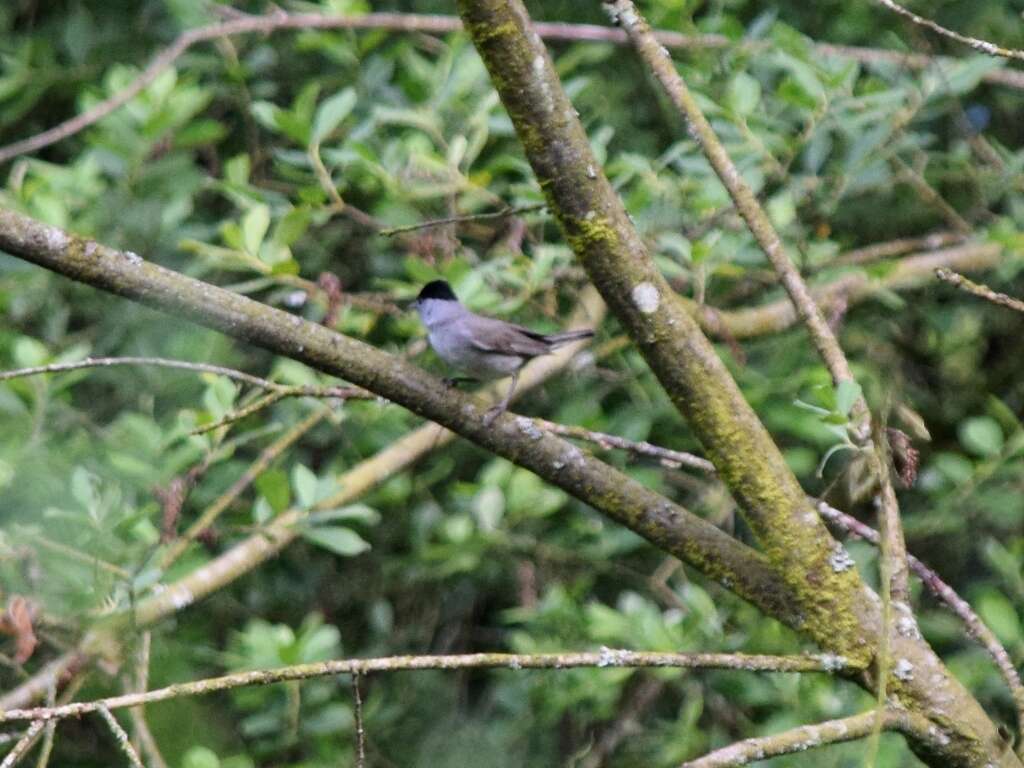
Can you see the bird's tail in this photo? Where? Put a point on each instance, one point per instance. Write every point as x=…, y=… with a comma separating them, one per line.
x=557, y=340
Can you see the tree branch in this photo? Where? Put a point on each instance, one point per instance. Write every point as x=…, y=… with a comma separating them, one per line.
x=812, y=736
x=517, y=439
x=285, y=390
x=667, y=457
x=982, y=46
x=402, y=22
x=960, y=608
x=122, y=738
x=961, y=282
x=605, y=658
x=908, y=272
x=23, y=745
x=503, y=213
x=608, y=246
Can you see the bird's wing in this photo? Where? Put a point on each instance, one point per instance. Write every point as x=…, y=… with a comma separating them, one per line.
x=506, y=338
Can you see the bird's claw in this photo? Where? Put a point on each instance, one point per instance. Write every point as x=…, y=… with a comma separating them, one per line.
x=492, y=414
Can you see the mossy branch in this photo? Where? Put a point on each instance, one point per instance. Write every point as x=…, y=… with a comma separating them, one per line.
x=608, y=246
x=839, y=612
x=665, y=524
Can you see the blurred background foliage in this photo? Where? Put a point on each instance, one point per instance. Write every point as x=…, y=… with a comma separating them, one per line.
x=217, y=169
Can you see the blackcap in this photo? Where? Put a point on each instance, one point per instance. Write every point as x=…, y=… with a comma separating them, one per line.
x=482, y=347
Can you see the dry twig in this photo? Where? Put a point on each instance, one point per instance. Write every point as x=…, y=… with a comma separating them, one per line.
x=812, y=736
x=961, y=282
x=982, y=46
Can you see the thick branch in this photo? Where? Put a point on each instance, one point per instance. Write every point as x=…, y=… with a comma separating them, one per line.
x=840, y=612
x=607, y=244
x=605, y=658
x=665, y=524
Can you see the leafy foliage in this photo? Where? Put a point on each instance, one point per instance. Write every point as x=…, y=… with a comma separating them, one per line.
x=265, y=162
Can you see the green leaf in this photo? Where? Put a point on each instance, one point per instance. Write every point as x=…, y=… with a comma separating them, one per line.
x=743, y=94
x=847, y=393
x=254, y=228
x=358, y=512
x=981, y=436
x=273, y=486
x=200, y=757
x=1001, y=616
x=330, y=114
x=28, y=352
x=304, y=482
x=341, y=541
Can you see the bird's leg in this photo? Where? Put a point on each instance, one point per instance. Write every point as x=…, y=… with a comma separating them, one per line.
x=454, y=381
x=500, y=408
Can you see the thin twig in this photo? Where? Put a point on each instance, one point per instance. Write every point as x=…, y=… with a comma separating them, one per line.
x=930, y=195
x=433, y=25
x=982, y=46
x=360, y=729
x=503, y=213
x=24, y=744
x=49, y=732
x=285, y=390
x=812, y=736
x=961, y=282
x=102, y=362
x=122, y=737
x=976, y=628
x=605, y=658
x=222, y=502
x=898, y=247
x=668, y=457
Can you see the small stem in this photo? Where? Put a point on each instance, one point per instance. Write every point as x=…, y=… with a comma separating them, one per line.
x=812, y=736
x=961, y=282
x=257, y=468
x=360, y=730
x=23, y=745
x=122, y=737
x=977, y=44
x=505, y=212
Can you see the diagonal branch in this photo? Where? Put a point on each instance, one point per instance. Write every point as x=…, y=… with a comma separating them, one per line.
x=608, y=246
x=949, y=276
x=893, y=547
x=812, y=736
x=982, y=46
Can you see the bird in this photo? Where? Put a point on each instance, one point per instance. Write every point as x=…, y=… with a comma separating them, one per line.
x=483, y=347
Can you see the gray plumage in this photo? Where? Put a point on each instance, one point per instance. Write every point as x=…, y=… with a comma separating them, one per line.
x=482, y=347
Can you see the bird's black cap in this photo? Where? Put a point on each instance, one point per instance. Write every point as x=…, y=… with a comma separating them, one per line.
x=437, y=289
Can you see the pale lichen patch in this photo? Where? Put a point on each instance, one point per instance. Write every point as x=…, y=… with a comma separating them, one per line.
x=646, y=297
x=903, y=670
